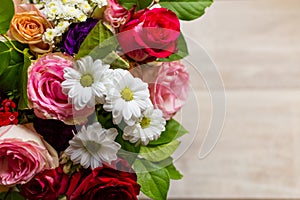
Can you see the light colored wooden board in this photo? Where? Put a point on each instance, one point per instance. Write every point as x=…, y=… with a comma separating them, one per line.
x=257, y=155
x=256, y=47
x=254, y=43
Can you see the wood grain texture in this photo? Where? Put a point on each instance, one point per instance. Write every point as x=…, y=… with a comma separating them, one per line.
x=256, y=46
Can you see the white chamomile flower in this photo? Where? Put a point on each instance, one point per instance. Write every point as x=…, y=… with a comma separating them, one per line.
x=70, y=11
x=49, y=35
x=85, y=7
x=54, y=9
x=62, y=26
x=93, y=145
x=127, y=98
x=81, y=17
x=100, y=3
x=87, y=82
x=54, y=4
x=148, y=128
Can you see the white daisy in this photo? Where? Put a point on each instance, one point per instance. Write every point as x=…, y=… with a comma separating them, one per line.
x=93, y=145
x=148, y=128
x=127, y=98
x=87, y=82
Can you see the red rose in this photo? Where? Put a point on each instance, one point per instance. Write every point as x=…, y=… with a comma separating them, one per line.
x=105, y=182
x=45, y=185
x=150, y=34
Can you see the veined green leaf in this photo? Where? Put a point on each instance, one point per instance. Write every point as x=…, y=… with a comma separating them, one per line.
x=168, y=165
x=140, y=4
x=115, y=61
x=173, y=172
x=99, y=43
x=154, y=181
x=173, y=131
x=7, y=12
x=23, y=101
x=159, y=153
x=11, y=66
x=187, y=9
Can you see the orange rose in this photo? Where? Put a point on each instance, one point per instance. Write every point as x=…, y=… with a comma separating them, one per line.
x=29, y=27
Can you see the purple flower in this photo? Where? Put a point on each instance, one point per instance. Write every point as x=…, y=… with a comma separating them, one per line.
x=76, y=34
x=55, y=132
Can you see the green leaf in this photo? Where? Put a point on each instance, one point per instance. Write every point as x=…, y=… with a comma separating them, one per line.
x=115, y=61
x=173, y=172
x=10, y=71
x=104, y=117
x=99, y=43
x=168, y=165
x=159, y=153
x=127, y=146
x=128, y=150
x=11, y=196
x=173, y=131
x=23, y=101
x=181, y=53
x=7, y=12
x=154, y=181
x=140, y=4
x=187, y=9
x=4, y=57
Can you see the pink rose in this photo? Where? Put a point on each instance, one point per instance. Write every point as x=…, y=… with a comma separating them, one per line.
x=23, y=153
x=170, y=90
x=150, y=34
x=115, y=14
x=45, y=92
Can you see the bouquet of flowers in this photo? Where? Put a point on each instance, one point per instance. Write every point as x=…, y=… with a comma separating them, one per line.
x=88, y=89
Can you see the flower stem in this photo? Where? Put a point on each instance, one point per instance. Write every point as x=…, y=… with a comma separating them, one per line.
x=12, y=44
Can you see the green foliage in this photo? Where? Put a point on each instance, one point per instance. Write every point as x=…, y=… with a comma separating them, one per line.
x=173, y=172
x=154, y=180
x=23, y=101
x=168, y=165
x=6, y=14
x=128, y=4
x=173, y=131
x=13, y=70
x=11, y=196
x=104, y=117
x=187, y=9
x=159, y=153
x=115, y=61
x=181, y=53
x=99, y=43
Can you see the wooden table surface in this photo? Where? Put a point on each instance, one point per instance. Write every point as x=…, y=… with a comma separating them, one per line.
x=255, y=45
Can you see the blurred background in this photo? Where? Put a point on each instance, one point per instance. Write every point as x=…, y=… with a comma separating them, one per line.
x=255, y=45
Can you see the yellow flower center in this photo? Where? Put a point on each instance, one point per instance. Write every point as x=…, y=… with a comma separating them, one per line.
x=86, y=80
x=145, y=123
x=127, y=94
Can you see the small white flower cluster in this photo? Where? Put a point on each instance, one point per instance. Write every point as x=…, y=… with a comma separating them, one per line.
x=64, y=12
x=91, y=82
